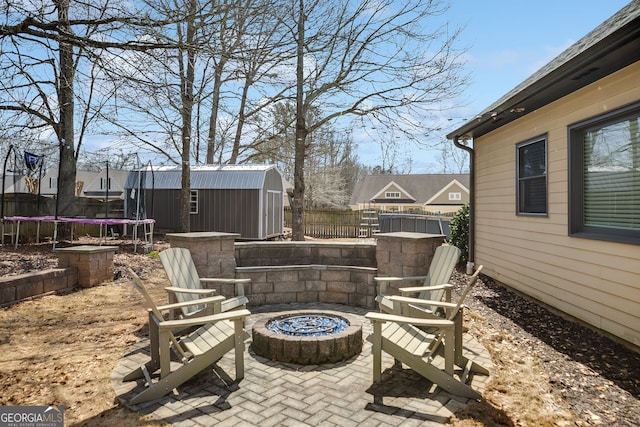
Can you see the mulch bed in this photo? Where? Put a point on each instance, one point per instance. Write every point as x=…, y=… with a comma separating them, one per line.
x=597, y=377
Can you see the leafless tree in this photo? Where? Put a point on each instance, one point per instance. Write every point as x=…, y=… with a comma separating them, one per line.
x=49, y=50
x=389, y=61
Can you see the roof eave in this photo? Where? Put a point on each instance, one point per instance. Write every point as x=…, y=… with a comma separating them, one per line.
x=614, y=52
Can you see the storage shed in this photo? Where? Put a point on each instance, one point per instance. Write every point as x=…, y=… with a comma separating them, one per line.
x=244, y=199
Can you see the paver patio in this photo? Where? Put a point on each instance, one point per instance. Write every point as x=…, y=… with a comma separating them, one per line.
x=274, y=393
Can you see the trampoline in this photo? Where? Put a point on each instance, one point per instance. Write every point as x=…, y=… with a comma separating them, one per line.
x=101, y=222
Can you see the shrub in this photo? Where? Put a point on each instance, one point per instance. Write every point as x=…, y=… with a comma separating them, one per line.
x=459, y=228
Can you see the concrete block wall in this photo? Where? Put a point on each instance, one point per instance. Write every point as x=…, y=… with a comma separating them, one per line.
x=253, y=254
x=25, y=286
x=94, y=263
x=406, y=254
x=350, y=285
x=213, y=253
x=290, y=272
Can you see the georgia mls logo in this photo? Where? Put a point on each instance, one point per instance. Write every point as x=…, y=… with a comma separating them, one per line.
x=31, y=416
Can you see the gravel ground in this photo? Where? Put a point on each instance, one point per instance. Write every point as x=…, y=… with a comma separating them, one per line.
x=597, y=377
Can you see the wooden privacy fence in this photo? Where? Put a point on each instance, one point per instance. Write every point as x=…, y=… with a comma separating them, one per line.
x=327, y=224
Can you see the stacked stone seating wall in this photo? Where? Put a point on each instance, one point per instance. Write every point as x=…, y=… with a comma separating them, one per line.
x=22, y=287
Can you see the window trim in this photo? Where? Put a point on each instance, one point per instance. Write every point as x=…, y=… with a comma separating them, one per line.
x=392, y=195
x=193, y=202
x=519, y=145
x=575, y=159
x=455, y=196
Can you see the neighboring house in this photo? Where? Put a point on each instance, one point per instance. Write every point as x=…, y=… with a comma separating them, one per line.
x=14, y=183
x=419, y=193
x=106, y=184
x=244, y=199
x=89, y=184
x=556, y=182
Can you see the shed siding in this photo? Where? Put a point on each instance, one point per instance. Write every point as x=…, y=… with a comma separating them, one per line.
x=230, y=211
x=595, y=281
x=164, y=207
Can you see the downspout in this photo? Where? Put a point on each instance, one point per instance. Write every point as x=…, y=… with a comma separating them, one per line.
x=472, y=192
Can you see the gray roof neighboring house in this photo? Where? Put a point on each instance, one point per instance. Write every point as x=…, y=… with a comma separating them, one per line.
x=610, y=47
x=418, y=188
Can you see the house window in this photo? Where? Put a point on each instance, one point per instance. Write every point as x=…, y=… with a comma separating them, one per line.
x=103, y=182
x=455, y=196
x=604, y=180
x=392, y=195
x=193, y=202
x=532, y=177
x=53, y=182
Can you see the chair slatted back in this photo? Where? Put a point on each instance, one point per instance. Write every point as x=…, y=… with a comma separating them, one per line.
x=182, y=273
x=444, y=261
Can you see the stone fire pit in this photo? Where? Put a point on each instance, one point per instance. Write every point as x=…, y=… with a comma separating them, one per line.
x=307, y=337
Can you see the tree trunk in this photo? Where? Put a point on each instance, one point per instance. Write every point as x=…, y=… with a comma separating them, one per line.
x=188, y=77
x=65, y=204
x=213, y=119
x=297, y=204
x=235, y=151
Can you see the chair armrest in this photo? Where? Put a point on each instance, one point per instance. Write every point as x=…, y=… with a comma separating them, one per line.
x=220, y=280
x=383, y=282
x=417, y=289
x=206, y=301
x=239, y=288
x=420, y=301
x=383, y=317
x=190, y=291
x=399, y=279
x=235, y=302
x=197, y=321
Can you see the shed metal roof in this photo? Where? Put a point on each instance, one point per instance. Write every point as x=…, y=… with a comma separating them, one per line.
x=202, y=177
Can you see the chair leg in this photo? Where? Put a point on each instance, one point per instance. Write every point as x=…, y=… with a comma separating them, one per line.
x=238, y=325
x=376, y=351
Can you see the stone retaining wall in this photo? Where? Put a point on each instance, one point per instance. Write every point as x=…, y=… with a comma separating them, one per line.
x=14, y=289
x=348, y=285
x=255, y=254
x=309, y=271
x=94, y=263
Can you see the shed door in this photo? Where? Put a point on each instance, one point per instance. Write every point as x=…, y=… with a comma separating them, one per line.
x=274, y=213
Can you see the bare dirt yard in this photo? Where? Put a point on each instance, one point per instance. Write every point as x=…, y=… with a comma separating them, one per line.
x=549, y=371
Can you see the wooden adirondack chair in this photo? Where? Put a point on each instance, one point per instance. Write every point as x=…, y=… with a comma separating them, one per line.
x=216, y=335
x=187, y=285
x=435, y=283
x=432, y=347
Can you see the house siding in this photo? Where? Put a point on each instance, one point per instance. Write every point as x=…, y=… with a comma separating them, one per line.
x=595, y=281
x=443, y=199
